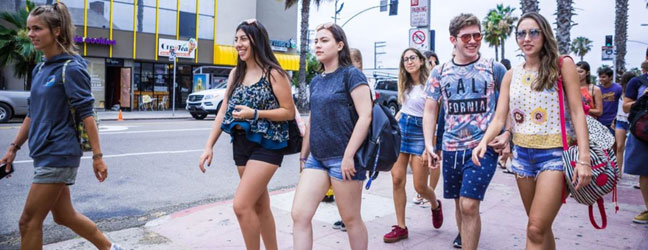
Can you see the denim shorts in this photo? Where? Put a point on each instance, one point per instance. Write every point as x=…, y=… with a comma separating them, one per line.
x=411, y=128
x=49, y=175
x=530, y=162
x=461, y=177
x=333, y=167
x=622, y=125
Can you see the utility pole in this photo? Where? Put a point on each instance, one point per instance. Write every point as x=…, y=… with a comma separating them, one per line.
x=337, y=11
x=377, y=45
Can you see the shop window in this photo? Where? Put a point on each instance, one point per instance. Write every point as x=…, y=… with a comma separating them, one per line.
x=161, y=78
x=147, y=77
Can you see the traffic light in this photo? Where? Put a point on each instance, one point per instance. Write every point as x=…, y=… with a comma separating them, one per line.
x=608, y=41
x=393, y=7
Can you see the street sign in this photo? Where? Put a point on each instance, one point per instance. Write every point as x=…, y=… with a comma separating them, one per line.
x=419, y=38
x=607, y=53
x=419, y=13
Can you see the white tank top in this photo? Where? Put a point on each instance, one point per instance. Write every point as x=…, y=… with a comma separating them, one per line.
x=414, y=103
x=535, y=114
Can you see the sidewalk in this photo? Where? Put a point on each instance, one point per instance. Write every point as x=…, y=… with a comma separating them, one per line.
x=143, y=115
x=214, y=226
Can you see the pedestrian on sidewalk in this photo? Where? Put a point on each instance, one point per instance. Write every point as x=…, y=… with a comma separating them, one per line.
x=529, y=96
x=61, y=83
x=621, y=123
x=611, y=94
x=467, y=86
x=259, y=104
x=333, y=137
x=411, y=95
x=590, y=93
x=635, y=148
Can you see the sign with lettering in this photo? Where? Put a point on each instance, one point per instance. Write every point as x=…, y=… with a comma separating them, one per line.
x=279, y=45
x=419, y=13
x=183, y=49
x=94, y=40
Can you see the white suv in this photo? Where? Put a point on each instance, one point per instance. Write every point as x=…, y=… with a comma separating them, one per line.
x=205, y=102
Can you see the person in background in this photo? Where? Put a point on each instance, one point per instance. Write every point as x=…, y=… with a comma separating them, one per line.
x=622, y=124
x=590, y=93
x=611, y=94
x=636, y=158
x=60, y=99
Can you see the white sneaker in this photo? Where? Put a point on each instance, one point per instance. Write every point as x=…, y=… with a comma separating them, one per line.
x=115, y=247
x=418, y=200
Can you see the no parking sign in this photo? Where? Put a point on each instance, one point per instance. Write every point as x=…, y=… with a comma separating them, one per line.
x=419, y=38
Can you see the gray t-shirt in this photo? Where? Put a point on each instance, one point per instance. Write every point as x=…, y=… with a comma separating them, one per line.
x=332, y=121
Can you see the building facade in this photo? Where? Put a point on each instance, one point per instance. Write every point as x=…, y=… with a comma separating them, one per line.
x=127, y=45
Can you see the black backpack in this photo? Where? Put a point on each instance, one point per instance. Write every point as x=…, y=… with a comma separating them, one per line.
x=638, y=116
x=381, y=148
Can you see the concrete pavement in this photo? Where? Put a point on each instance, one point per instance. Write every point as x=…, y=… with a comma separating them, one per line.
x=214, y=226
x=144, y=115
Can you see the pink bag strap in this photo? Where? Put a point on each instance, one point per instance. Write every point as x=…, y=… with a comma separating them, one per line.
x=563, y=130
x=601, y=208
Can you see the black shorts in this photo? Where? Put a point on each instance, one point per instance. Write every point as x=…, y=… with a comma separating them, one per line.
x=245, y=150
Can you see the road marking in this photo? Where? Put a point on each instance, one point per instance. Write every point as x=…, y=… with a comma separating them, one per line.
x=154, y=131
x=104, y=129
x=129, y=154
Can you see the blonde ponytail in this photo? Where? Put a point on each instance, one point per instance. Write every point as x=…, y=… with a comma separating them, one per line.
x=57, y=16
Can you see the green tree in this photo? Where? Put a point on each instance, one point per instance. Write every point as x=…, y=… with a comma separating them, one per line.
x=581, y=46
x=498, y=26
x=564, y=13
x=302, y=101
x=15, y=45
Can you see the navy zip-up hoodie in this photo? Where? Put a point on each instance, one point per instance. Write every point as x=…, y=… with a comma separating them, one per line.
x=52, y=137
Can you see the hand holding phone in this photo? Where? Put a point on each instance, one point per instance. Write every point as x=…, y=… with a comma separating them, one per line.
x=3, y=170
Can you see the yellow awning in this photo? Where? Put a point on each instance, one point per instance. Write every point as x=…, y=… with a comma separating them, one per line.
x=226, y=55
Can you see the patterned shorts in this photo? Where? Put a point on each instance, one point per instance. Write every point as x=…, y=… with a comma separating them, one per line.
x=461, y=177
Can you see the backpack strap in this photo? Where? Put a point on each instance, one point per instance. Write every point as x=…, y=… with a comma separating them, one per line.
x=643, y=80
x=601, y=208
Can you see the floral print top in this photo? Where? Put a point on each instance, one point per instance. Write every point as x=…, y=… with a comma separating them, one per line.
x=270, y=134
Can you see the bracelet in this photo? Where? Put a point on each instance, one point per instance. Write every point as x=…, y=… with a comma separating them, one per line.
x=15, y=146
x=256, y=115
x=584, y=163
x=97, y=156
x=303, y=159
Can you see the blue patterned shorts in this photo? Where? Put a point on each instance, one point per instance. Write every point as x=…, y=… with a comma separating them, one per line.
x=461, y=177
x=412, y=141
x=530, y=162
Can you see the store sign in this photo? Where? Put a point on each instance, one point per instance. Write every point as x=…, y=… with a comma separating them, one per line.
x=419, y=13
x=94, y=40
x=183, y=49
x=114, y=62
x=279, y=45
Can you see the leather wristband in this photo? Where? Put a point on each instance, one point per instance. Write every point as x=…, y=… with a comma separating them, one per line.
x=15, y=146
x=97, y=156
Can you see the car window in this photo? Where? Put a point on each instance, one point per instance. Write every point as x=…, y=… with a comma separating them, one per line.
x=380, y=85
x=391, y=85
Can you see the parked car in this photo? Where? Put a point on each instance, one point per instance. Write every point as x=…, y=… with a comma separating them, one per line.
x=202, y=103
x=13, y=103
x=386, y=93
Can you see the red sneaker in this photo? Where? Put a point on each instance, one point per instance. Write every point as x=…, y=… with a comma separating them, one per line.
x=437, y=216
x=396, y=234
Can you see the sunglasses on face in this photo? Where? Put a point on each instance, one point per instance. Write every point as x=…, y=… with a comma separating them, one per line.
x=522, y=34
x=410, y=58
x=465, y=38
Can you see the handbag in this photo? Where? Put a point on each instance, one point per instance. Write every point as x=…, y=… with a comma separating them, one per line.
x=602, y=160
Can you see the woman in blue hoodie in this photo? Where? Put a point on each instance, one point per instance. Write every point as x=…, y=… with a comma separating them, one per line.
x=50, y=128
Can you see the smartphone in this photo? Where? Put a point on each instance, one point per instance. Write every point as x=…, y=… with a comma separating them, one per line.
x=2, y=170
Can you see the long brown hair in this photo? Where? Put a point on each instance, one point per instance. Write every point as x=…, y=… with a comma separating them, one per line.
x=405, y=81
x=57, y=16
x=344, y=55
x=263, y=55
x=548, y=71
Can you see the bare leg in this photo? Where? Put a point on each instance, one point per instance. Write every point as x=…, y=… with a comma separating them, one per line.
x=399, y=178
x=64, y=214
x=470, y=223
x=312, y=186
x=526, y=185
x=421, y=184
x=254, y=183
x=266, y=219
x=544, y=208
x=40, y=200
x=349, y=200
x=458, y=214
x=620, y=135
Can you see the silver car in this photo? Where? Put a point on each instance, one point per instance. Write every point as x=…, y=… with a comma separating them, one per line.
x=13, y=103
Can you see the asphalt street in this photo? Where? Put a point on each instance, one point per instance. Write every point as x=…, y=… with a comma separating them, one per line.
x=152, y=171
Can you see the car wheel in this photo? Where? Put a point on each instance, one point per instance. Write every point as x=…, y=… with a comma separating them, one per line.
x=393, y=107
x=5, y=113
x=198, y=116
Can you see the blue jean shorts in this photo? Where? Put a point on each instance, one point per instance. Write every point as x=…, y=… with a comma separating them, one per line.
x=622, y=125
x=49, y=175
x=333, y=168
x=530, y=162
x=411, y=128
x=461, y=177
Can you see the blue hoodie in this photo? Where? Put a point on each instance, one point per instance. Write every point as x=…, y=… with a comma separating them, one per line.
x=52, y=136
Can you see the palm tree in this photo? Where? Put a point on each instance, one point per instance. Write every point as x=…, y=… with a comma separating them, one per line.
x=491, y=34
x=564, y=22
x=529, y=6
x=498, y=26
x=303, y=49
x=620, y=35
x=15, y=46
x=581, y=46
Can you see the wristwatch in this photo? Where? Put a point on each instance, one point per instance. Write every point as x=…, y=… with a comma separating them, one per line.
x=97, y=156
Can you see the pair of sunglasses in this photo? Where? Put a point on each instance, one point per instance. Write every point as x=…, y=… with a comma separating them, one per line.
x=410, y=58
x=324, y=26
x=532, y=33
x=465, y=38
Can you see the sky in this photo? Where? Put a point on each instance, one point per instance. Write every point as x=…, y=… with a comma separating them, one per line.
x=595, y=19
